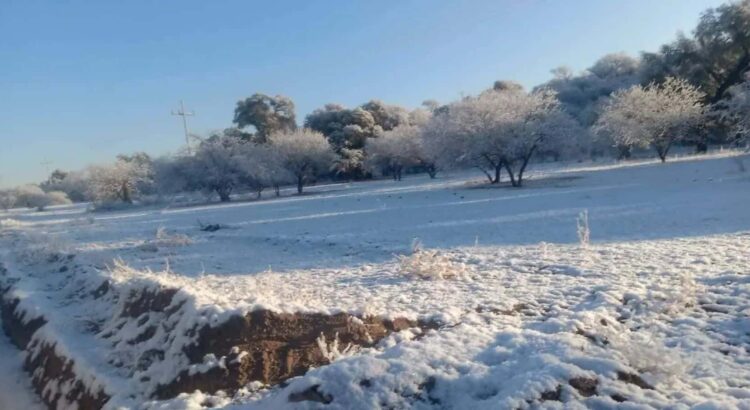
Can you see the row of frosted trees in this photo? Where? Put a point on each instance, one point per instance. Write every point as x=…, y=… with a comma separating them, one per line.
x=498, y=132
x=692, y=91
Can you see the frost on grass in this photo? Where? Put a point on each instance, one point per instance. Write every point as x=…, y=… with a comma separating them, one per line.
x=9, y=223
x=429, y=264
x=165, y=239
x=332, y=351
x=654, y=323
x=43, y=248
x=582, y=229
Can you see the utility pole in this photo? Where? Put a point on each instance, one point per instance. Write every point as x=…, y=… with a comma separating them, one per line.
x=46, y=163
x=184, y=114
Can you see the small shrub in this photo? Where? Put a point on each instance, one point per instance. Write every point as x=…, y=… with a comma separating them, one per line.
x=582, y=228
x=164, y=238
x=331, y=350
x=429, y=264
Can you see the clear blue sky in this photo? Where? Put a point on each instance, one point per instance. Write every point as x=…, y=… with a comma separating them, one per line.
x=81, y=81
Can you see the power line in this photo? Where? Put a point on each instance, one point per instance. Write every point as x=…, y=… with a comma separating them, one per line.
x=184, y=114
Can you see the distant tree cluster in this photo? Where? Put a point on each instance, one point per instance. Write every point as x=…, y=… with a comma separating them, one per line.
x=501, y=128
x=31, y=196
x=694, y=90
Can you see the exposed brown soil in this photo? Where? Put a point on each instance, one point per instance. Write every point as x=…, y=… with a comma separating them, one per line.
x=18, y=333
x=585, y=386
x=278, y=345
x=634, y=379
x=47, y=366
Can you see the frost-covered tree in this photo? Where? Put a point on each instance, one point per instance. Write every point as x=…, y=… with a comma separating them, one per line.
x=261, y=166
x=266, y=114
x=350, y=163
x=74, y=184
x=171, y=174
x=583, y=95
x=399, y=149
x=499, y=130
x=215, y=167
x=304, y=153
x=120, y=181
x=350, y=128
x=430, y=105
x=7, y=199
x=507, y=85
x=419, y=117
x=386, y=116
x=735, y=111
x=715, y=58
x=657, y=116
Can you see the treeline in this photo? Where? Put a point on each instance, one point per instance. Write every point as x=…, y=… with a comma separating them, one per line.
x=692, y=91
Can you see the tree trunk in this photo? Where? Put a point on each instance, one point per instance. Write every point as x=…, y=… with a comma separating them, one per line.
x=487, y=174
x=522, y=169
x=663, y=151
x=525, y=163
x=623, y=152
x=431, y=170
x=277, y=189
x=126, y=194
x=223, y=195
x=701, y=147
x=513, y=180
x=300, y=184
x=498, y=169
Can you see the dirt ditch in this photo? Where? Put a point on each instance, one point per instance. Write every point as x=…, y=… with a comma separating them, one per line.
x=261, y=346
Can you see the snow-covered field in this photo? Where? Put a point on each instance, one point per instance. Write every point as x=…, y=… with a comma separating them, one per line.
x=654, y=312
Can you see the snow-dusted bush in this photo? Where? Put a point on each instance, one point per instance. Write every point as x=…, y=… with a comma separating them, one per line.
x=429, y=264
x=643, y=350
x=394, y=150
x=164, y=238
x=304, y=153
x=215, y=167
x=7, y=199
x=74, y=184
x=223, y=164
x=350, y=162
x=170, y=175
x=31, y=196
x=261, y=167
x=10, y=223
x=120, y=182
x=499, y=130
x=42, y=248
x=657, y=116
x=331, y=351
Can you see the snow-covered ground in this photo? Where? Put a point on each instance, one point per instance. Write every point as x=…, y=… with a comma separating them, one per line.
x=660, y=298
x=15, y=389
